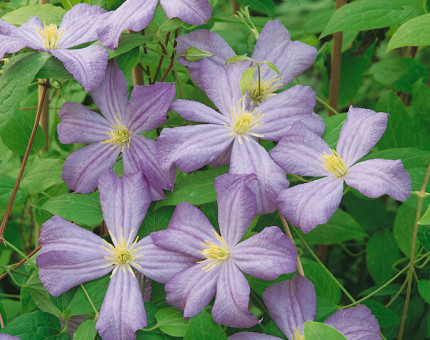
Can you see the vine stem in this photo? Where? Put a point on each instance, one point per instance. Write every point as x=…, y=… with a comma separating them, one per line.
x=96, y=312
x=24, y=160
x=288, y=231
x=421, y=197
x=172, y=58
x=160, y=62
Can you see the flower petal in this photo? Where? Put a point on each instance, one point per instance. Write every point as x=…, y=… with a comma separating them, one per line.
x=232, y=298
x=111, y=94
x=87, y=65
x=266, y=255
x=192, y=147
x=356, y=323
x=307, y=205
x=80, y=125
x=148, y=106
x=124, y=202
x=290, y=57
x=236, y=205
x=377, y=177
x=194, y=12
x=10, y=45
x=82, y=168
x=123, y=311
x=29, y=33
x=299, y=152
x=361, y=131
x=282, y=110
x=250, y=157
x=198, y=112
x=252, y=336
x=291, y=304
x=70, y=255
x=192, y=289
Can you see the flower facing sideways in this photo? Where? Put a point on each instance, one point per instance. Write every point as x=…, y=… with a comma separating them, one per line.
x=71, y=255
x=220, y=258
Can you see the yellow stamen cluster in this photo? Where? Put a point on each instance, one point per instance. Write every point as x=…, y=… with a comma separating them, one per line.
x=243, y=121
x=120, y=135
x=297, y=335
x=122, y=253
x=334, y=163
x=50, y=36
x=260, y=91
x=215, y=253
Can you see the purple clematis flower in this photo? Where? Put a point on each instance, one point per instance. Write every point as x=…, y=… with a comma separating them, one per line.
x=71, y=255
x=87, y=65
x=116, y=131
x=137, y=14
x=292, y=303
x=302, y=152
x=220, y=259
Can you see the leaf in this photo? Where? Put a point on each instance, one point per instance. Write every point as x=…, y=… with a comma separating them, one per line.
x=424, y=290
x=171, y=321
x=86, y=331
x=6, y=187
x=424, y=236
x=203, y=327
x=156, y=220
x=333, y=125
x=237, y=58
x=78, y=208
x=365, y=15
x=273, y=68
x=246, y=79
x=195, y=188
x=54, y=68
x=417, y=179
x=415, y=32
x=403, y=228
x=324, y=309
x=68, y=4
x=129, y=41
x=263, y=6
x=49, y=14
x=421, y=105
x=385, y=316
x=410, y=157
x=41, y=174
x=128, y=60
x=18, y=74
x=425, y=218
x=321, y=331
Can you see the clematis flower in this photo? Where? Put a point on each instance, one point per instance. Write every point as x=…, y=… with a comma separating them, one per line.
x=220, y=258
x=71, y=255
x=231, y=136
x=116, y=131
x=137, y=14
x=304, y=153
x=79, y=24
x=292, y=303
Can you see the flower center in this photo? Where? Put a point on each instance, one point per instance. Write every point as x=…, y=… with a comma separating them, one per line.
x=260, y=92
x=50, y=36
x=120, y=135
x=122, y=253
x=334, y=163
x=297, y=335
x=243, y=121
x=214, y=253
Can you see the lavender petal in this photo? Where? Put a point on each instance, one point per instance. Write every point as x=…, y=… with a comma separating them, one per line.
x=198, y=112
x=194, y=12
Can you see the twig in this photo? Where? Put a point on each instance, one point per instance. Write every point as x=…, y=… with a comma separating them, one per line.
x=20, y=263
x=288, y=231
x=161, y=58
x=172, y=58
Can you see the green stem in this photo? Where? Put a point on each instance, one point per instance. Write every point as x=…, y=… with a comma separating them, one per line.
x=397, y=293
x=7, y=243
x=96, y=312
x=327, y=105
x=12, y=296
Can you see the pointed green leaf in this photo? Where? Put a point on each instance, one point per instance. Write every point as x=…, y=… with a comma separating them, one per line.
x=320, y=331
x=247, y=79
x=49, y=14
x=171, y=321
x=415, y=32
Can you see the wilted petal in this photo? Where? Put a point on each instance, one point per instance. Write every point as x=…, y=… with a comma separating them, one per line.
x=194, y=12
x=361, y=131
x=232, y=298
x=148, y=106
x=290, y=57
x=124, y=202
x=266, y=255
x=236, y=205
x=82, y=168
x=198, y=112
x=70, y=255
x=122, y=312
x=252, y=336
x=192, y=289
x=192, y=147
x=87, y=65
x=356, y=323
x=299, y=152
x=80, y=125
x=111, y=94
x=282, y=110
x=377, y=177
x=309, y=204
x=250, y=157
x=291, y=304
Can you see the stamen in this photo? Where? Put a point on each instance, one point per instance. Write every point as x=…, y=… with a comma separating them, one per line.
x=50, y=36
x=258, y=93
x=215, y=253
x=334, y=163
x=297, y=335
x=120, y=135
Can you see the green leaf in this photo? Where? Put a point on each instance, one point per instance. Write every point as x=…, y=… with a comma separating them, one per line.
x=41, y=174
x=324, y=309
x=424, y=236
x=417, y=179
x=18, y=74
x=128, y=42
x=273, y=68
x=128, y=60
x=86, y=331
x=385, y=316
x=403, y=228
x=49, y=14
x=381, y=253
x=424, y=290
x=415, y=32
x=333, y=125
x=203, y=327
x=365, y=15
x=156, y=220
x=421, y=105
x=68, y=4
x=107, y=4
x=247, y=79
x=263, y=6
x=6, y=188
x=320, y=331
x=410, y=157
x=425, y=218
x=237, y=58
x=171, y=321
x=54, y=68
x=195, y=188
x=79, y=208
x=340, y=228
